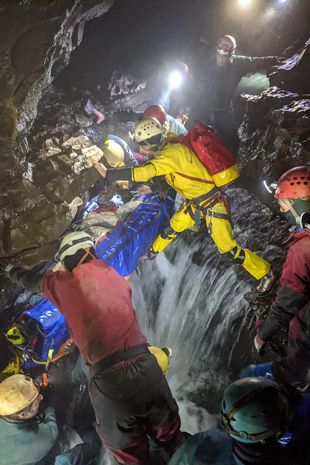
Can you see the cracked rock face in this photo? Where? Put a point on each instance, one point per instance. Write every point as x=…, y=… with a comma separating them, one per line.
x=37, y=189
x=49, y=194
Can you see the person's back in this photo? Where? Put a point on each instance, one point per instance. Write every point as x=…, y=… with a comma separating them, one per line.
x=266, y=424
x=27, y=434
x=183, y=171
x=27, y=443
x=96, y=303
x=212, y=447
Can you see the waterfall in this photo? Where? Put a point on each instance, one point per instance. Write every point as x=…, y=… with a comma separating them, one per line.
x=199, y=310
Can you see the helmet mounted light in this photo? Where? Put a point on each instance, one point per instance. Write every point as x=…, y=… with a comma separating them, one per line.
x=271, y=188
x=175, y=79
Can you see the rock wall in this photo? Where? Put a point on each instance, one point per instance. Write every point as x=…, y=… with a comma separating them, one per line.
x=36, y=189
x=275, y=132
x=47, y=198
x=36, y=40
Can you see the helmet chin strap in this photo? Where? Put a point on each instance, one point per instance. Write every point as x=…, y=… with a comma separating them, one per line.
x=82, y=259
x=293, y=211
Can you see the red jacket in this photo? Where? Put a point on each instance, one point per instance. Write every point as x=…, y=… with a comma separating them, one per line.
x=96, y=303
x=291, y=306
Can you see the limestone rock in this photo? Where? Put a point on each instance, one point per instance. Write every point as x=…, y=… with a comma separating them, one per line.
x=49, y=196
x=36, y=40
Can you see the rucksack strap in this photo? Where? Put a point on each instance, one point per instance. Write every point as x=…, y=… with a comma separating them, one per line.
x=205, y=202
x=192, y=178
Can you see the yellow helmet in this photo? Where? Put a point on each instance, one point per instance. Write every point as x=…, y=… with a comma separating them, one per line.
x=113, y=153
x=15, y=336
x=162, y=356
x=16, y=393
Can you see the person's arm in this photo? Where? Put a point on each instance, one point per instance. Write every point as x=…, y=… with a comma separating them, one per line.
x=165, y=162
x=161, y=164
x=41, y=442
x=254, y=64
x=25, y=278
x=292, y=295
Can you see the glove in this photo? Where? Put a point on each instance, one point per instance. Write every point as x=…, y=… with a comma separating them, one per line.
x=151, y=255
x=259, y=345
x=102, y=170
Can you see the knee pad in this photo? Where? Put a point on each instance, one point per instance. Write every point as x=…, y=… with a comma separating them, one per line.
x=235, y=255
x=168, y=233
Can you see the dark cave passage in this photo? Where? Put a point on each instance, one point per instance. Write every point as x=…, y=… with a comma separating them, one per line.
x=73, y=73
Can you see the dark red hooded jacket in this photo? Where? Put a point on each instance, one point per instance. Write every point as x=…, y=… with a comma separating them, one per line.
x=96, y=303
x=292, y=304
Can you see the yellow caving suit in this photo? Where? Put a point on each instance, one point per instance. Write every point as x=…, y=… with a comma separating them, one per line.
x=176, y=161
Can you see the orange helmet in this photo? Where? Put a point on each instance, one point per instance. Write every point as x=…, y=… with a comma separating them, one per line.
x=294, y=184
x=155, y=111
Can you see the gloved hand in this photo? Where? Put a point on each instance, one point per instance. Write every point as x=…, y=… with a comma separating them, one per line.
x=259, y=345
x=102, y=170
x=144, y=189
x=150, y=255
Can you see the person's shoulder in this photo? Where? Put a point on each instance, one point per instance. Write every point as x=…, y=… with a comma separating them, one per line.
x=302, y=244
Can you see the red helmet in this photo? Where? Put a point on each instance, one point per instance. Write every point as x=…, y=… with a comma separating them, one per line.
x=294, y=184
x=156, y=111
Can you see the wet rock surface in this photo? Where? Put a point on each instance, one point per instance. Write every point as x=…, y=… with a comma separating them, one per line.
x=37, y=39
x=47, y=198
x=275, y=132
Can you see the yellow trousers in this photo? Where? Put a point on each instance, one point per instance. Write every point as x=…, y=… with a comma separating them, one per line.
x=221, y=234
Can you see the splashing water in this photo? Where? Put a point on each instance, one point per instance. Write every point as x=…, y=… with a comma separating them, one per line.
x=200, y=312
x=191, y=309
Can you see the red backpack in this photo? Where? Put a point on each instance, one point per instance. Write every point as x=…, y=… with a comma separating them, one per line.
x=211, y=150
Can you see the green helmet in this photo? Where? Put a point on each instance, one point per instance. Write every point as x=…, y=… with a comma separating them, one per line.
x=255, y=409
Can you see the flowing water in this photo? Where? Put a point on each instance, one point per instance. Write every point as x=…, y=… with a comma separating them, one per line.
x=192, y=300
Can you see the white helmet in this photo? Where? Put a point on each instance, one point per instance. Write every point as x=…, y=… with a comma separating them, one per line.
x=148, y=130
x=113, y=153
x=74, y=241
x=226, y=45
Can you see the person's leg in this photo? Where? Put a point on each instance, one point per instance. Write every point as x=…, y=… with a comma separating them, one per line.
x=180, y=221
x=120, y=433
x=162, y=421
x=219, y=225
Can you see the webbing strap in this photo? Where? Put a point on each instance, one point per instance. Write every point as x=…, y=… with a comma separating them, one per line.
x=194, y=179
x=220, y=216
x=118, y=357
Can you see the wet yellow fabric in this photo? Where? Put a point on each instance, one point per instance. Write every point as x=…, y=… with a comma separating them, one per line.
x=177, y=159
x=221, y=234
x=226, y=177
x=173, y=161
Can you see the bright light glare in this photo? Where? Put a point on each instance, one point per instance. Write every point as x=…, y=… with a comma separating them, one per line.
x=282, y=1
x=245, y=3
x=267, y=187
x=175, y=79
x=270, y=187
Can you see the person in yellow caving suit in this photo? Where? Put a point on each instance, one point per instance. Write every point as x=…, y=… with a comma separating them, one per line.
x=185, y=173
